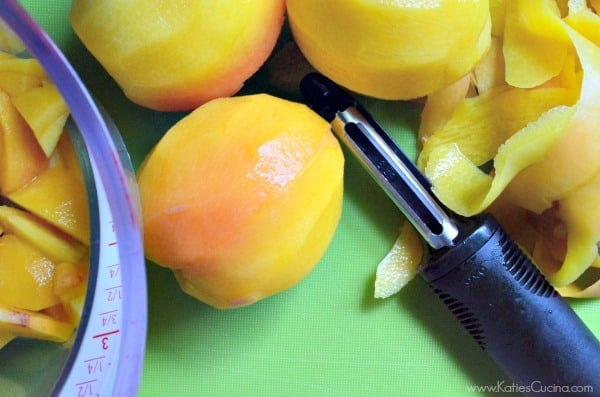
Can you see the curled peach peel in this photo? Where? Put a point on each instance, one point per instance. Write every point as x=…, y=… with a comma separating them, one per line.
x=546, y=170
x=535, y=42
x=401, y=264
x=544, y=186
x=241, y=198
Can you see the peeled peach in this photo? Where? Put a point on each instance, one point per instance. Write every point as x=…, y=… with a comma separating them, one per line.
x=242, y=197
x=392, y=49
x=176, y=55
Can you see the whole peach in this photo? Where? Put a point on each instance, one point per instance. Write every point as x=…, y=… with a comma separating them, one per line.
x=175, y=55
x=242, y=197
x=392, y=49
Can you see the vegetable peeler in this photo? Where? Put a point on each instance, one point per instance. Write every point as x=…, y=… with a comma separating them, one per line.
x=488, y=283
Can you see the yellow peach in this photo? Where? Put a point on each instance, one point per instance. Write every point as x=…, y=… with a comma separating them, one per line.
x=176, y=55
x=241, y=198
x=392, y=49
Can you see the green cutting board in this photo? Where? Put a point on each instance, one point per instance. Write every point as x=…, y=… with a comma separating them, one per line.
x=327, y=336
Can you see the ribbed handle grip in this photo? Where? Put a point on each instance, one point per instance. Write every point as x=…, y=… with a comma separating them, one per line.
x=514, y=314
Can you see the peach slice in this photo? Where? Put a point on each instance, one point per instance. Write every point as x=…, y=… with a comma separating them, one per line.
x=25, y=275
x=22, y=65
x=45, y=112
x=14, y=83
x=5, y=338
x=70, y=285
x=21, y=157
x=31, y=324
x=51, y=241
x=58, y=193
x=9, y=40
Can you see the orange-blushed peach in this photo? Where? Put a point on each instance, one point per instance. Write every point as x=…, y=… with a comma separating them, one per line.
x=175, y=55
x=242, y=197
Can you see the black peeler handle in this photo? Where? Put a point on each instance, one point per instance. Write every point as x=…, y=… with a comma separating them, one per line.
x=514, y=314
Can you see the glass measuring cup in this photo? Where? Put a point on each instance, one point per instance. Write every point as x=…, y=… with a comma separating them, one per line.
x=107, y=354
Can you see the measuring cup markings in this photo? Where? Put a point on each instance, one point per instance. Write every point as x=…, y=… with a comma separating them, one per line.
x=87, y=388
x=93, y=370
x=108, y=318
x=113, y=293
x=114, y=271
x=88, y=360
x=95, y=365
